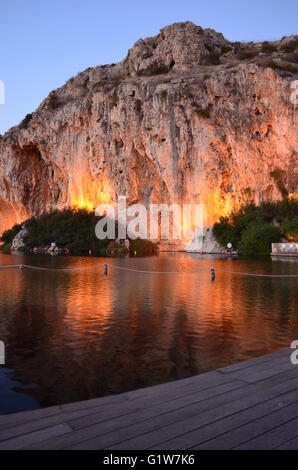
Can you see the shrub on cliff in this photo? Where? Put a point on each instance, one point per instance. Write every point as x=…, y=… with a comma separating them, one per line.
x=290, y=46
x=8, y=235
x=290, y=230
x=224, y=232
x=212, y=58
x=6, y=248
x=7, y=238
x=279, y=177
x=268, y=47
x=154, y=68
x=53, y=101
x=203, y=112
x=257, y=239
x=138, y=106
x=225, y=49
x=25, y=122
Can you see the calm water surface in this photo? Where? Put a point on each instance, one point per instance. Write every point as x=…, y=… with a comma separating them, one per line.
x=77, y=335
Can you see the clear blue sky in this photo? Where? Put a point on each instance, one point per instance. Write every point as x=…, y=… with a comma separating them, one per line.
x=45, y=42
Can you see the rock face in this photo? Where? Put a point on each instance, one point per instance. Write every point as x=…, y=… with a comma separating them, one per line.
x=18, y=240
x=205, y=243
x=187, y=116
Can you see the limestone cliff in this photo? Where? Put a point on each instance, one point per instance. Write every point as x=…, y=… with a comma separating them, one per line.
x=187, y=116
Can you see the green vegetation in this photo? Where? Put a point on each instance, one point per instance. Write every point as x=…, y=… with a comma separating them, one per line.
x=163, y=95
x=6, y=248
x=290, y=229
x=257, y=239
x=204, y=112
x=247, y=192
x=114, y=99
x=154, y=68
x=281, y=66
x=290, y=46
x=7, y=238
x=268, y=47
x=72, y=229
x=9, y=235
x=138, y=106
x=53, y=101
x=26, y=120
x=141, y=247
x=278, y=176
x=116, y=250
x=206, y=76
x=225, y=49
x=254, y=228
x=245, y=54
x=273, y=65
x=213, y=58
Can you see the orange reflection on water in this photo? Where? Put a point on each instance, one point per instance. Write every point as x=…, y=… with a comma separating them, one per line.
x=78, y=334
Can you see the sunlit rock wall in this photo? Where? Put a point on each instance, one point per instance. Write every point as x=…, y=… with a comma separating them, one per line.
x=163, y=125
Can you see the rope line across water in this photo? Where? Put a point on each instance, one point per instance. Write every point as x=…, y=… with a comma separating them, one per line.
x=10, y=266
x=199, y=271
x=113, y=266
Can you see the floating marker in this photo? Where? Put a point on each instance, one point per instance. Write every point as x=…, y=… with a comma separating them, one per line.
x=21, y=267
x=2, y=353
x=212, y=274
x=106, y=269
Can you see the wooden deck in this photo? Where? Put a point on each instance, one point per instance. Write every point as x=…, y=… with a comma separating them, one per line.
x=248, y=405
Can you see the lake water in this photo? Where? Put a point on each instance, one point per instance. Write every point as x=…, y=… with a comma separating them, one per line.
x=78, y=334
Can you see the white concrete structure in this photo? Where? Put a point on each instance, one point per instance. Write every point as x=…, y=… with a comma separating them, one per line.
x=18, y=240
x=205, y=243
x=284, y=249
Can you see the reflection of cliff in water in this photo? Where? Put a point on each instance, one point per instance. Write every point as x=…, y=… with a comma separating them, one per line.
x=78, y=335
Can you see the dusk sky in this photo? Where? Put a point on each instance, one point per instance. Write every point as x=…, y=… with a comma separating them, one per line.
x=44, y=43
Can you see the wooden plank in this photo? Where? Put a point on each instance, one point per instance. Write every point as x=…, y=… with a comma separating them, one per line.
x=276, y=435
x=15, y=418
x=263, y=370
x=206, y=380
x=211, y=436
x=291, y=444
x=240, y=405
x=268, y=358
x=160, y=404
x=193, y=418
x=86, y=430
x=122, y=425
x=28, y=439
x=253, y=429
x=29, y=426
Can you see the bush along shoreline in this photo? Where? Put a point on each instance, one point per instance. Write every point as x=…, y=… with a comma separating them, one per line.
x=253, y=228
x=70, y=231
